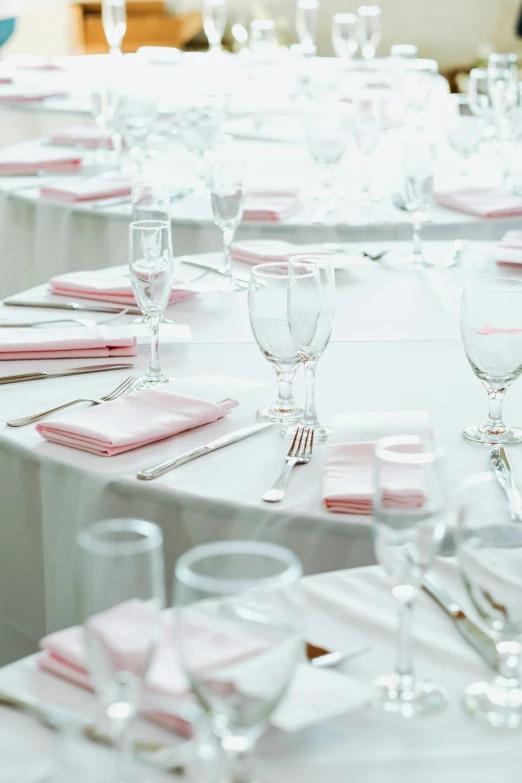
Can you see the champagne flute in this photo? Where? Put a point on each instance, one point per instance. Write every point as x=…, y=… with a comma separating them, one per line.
x=227, y=196
x=367, y=124
x=150, y=261
x=121, y=591
x=327, y=128
x=114, y=21
x=311, y=307
x=344, y=36
x=491, y=328
x=418, y=191
x=214, y=22
x=409, y=515
x=369, y=30
x=306, y=24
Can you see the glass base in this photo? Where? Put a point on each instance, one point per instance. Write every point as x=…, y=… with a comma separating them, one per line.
x=482, y=434
x=270, y=413
x=408, y=262
x=320, y=432
x=494, y=705
x=151, y=381
x=422, y=699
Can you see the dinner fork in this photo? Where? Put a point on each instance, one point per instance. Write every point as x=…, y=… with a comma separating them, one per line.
x=128, y=385
x=300, y=453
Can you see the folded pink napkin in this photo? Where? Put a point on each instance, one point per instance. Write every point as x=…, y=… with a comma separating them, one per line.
x=35, y=62
x=91, y=342
x=17, y=93
x=135, y=420
x=270, y=206
x=78, y=135
x=493, y=202
x=509, y=250
x=89, y=189
x=31, y=162
x=265, y=251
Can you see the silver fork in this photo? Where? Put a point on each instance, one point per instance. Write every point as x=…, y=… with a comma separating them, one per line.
x=300, y=453
x=128, y=385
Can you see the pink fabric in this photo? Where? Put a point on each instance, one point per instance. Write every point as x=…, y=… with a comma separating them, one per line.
x=35, y=62
x=263, y=251
x=77, y=135
x=270, y=206
x=42, y=160
x=88, y=189
x=509, y=251
x=91, y=342
x=132, y=421
x=21, y=94
x=105, y=285
x=492, y=202
x=487, y=330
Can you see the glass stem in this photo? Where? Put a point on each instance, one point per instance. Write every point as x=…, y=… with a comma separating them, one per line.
x=366, y=195
x=101, y=124
x=237, y=750
x=228, y=237
x=285, y=402
x=154, y=368
x=310, y=415
x=327, y=179
x=403, y=664
x=123, y=748
x=508, y=677
x=495, y=423
x=417, y=237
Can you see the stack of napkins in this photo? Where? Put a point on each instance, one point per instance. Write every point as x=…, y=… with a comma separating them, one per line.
x=36, y=161
x=91, y=342
x=270, y=206
x=78, y=135
x=492, y=202
x=509, y=251
x=88, y=189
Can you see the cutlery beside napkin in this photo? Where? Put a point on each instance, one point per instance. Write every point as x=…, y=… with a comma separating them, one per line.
x=270, y=206
x=90, y=342
x=90, y=189
x=487, y=202
x=35, y=161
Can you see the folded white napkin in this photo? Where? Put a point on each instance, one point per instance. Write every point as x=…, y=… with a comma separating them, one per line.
x=491, y=202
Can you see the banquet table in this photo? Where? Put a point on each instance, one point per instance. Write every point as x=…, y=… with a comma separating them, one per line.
x=345, y=610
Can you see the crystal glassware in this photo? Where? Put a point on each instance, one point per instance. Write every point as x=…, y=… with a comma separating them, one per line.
x=463, y=129
x=369, y=30
x=242, y=596
x=409, y=518
x=489, y=545
x=214, y=22
x=327, y=127
x=121, y=592
x=201, y=126
x=150, y=262
x=418, y=191
x=367, y=127
x=311, y=308
x=268, y=311
x=491, y=328
x=114, y=21
x=227, y=196
x=344, y=36
x=306, y=24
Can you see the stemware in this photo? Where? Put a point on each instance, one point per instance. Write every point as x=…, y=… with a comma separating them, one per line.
x=102, y=107
x=489, y=556
x=327, y=128
x=201, y=126
x=418, y=191
x=239, y=627
x=409, y=516
x=311, y=308
x=503, y=84
x=464, y=130
x=367, y=125
x=480, y=102
x=121, y=592
x=114, y=21
x=268, y=311
x=491, y=328
x=306, y=24
x=369, y=30
x=404, y=51
x=214, y=22
x=227, y=196
x=135, y=117
x=150, y=262
x=344, y=36
x=262, y=38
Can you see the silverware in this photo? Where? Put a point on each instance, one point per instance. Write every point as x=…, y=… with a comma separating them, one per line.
x=473, y=635
x=158, y=470
x=300, y=453
x=90, y=306
x=202, y=265
x=128, y=385
x=504, y=475
x=38, y=376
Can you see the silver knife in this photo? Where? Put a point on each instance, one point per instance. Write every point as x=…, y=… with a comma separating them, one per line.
x=158, y=470
x=473, y=635
x=212, y=268
x=91, y=306
x=38, y=376
x=504, y=475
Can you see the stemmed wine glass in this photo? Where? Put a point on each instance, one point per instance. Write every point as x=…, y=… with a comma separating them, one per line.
x=504, y=96
x=227, y=195
x=114, y=21
x=464, y=130
x=311, y=307
x=409, y=517
x=491, y=328
x=150, y=261
x=489, y=555
x=306, y=24
x=344, y=36
x=268, y=311
x=135, y=117
x=480, y=102
x=239, y=628
x=418, y=191
x=201, y=125
x=327, y=128
x=121, y=592
x=367, y=125
x=369, y=30
x=262, y=38
x=214, y=22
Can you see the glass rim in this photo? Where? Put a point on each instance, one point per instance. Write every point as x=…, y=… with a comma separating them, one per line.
x=90, y=539
x=135, y=225
x=474, y=285
x=184, y=573
x=263, y=270
x=345, y=17
x=509, y=56
x=262, y=24
x=314, y=259
x=384, y=450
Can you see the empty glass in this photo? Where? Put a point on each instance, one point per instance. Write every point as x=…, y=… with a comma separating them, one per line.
x=150, y=262
x=268, y=311
x=490, y=560
x=201, y=126
x=262, y=39
x=306, y=24
x=239, y=627
x=344, y=36
x=327, y=128
x=214, y=22
x=311, y=308
x=369, y=30
x=409, y=517
x=121, y=593
x=367, y=126
x=227, y=195
x=491, y=328
x=114, y=21
x=464, y=130
x=418, y=191
x=135, y=117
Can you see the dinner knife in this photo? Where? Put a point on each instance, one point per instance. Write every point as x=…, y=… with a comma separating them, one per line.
x=92, y=307
x=158, y=470
x=473, y=635
x=502, y=469
x=38, y=376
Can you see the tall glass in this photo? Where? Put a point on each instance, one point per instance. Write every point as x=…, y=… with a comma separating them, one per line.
x=214, y=22
x=135, y=117
x=491, y=328
x=409, y=517
x=464, y=130
x=490, y=558
x=268, y=311
x=369, y=30
x=201, y=126
x=418, y=191
x=150, y=262
x=367, y=126
x=239, y=626
x=327, y=128
x=121, y=592
x=344, y=36
x=311, y=308
x=503, y=83
x=227, y=196
x=262, y=38
x=306, y=24
x=114, y=21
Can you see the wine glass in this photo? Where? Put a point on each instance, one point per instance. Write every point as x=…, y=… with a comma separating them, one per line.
x=311, y=307
x=136, y=116
x=122, y=592
x=491, y=328
x=114, y=21
x=369, y=30
x=503, y=83
x=268, y=311
x=262, y=39
x=404, y=51
x=150, y=261
x=327, y=128
x=418, y=191
x=344, y=36
x=201, y=125
x=463, y=129
x=367, y=125
x=480, y=102
x=240, y=636
x=306, y=24
x=214, y=22
x=489, y=555
x=102, y=107
x=409, y=517
x=227, y=196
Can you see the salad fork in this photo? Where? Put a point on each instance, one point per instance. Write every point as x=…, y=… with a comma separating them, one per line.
x=300, y=453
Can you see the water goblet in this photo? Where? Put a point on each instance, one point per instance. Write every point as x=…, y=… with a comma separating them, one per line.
x=344, y=37
x=464, y=130
x=114, y=21
x=227, y=196
x=369, y=30
x=214, y=22
x=306, y=24
x=327, y=128
x=367, y=126
x=491, y=328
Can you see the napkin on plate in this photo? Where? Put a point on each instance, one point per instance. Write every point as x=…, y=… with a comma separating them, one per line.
x=492, y=202
x=17, y=93
x=88, y=189
x=34, y=161
x=78, y=135
x=270, y=206
x=348, y=472
x=91, y=342
x=509, y=250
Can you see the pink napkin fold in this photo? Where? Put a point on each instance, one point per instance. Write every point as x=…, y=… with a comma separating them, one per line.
x=492, y=202
x=509, y=250
x=88, y=189
x=35, y=62
x=270, y=206
x=91, y=342
x=130, y=422
x=17, y=93
x=265, y=251
x=78, y=135
x=49, y=161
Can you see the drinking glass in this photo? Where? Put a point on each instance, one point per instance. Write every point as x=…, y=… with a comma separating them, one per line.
x=491, y=328
x=150, y=201
x=503, y=83
x=135, y=117
x=464, y=130
x=409, y=516
x=214, y=22
x=201, y=126
x=121, y=592
x=227, y=195
x=344, y=36
x=404, y=51
x=262, y=39
x=306, y=24
x=490, y=556
x=327, y=128
x=150, y=261
x=102, y=108
x=369, y=30
x=367, y=125
x=311, y=307
x=480, y=102
x=418, y=191
x=114, y=20
x=268, y=311
x=239, y=628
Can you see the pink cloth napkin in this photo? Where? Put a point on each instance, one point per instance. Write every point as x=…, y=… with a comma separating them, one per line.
x=493, y=202
x=89, y=189
x=91, y=342
x=48, y=161
x=130, y=422
x=77, y=135
x=35, y=62
x=265, y=251
x=509, y=250
x=270, y=206
x=13, y=93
